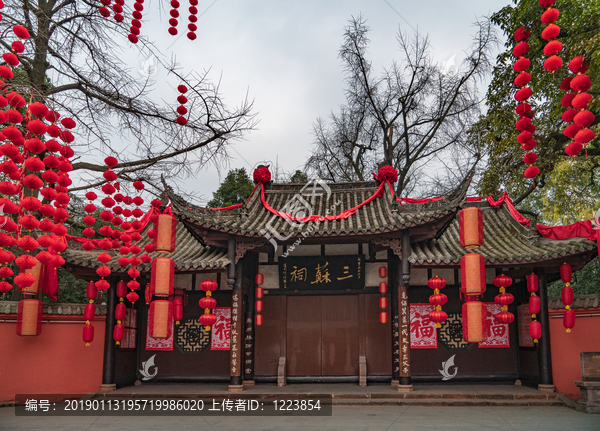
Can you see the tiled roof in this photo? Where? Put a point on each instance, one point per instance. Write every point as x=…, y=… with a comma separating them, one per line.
x=506, y=241
x=189, y=254
x=10, y=307
x=383, y=214
x=579, y=301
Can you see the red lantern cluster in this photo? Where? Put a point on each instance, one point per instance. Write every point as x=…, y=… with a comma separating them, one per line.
x=383, y=301
x=193, y=19
x=524, y=123
x=182, y=110
x=534, y=307
x=174, y=15
x=208, y=303
x=136, y=24
x=104, y=11
x=258, y=296
x=550, y=33
x=24, y=131
x=566, y=294
x=438, y=299
x=118, y=10
x=504, y=299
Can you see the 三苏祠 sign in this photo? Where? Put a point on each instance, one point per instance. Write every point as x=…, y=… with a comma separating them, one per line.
x=322, y=272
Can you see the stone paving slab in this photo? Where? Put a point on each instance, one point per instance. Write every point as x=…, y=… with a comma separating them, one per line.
x=421, y=418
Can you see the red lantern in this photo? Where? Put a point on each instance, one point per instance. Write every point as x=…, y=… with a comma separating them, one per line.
x=532, y=283
x=569, y=319
x=121, y=290
x=472, y=273
x=534, y=305
x=177, y=311
x=258, y=306
x=439, y=317
x=162, y=276
x=89, y=312
x=209, y=286
x=91, y=291
x=258, y=319
x=383, y=302
x=438, y=299
x=207, y=303
x=165, y=227
x=120, y=311
x=119, y=333
x=383, y=317
x=29, y=317
x=148, y=294
x=473, y=313
x=259, y=293
x=207, y=320
x=504, y=299
x=383, y=287
x=382, y=271
x=502, y=281
x=259, y=279
x=470, y=222
x=566, y=274
x=505, y=317
x=88, y=334
x=566, y=295
x=160, y=314
x=436, y=283
x=535, y=330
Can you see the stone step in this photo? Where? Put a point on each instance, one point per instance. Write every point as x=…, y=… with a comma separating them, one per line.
x=446, y=402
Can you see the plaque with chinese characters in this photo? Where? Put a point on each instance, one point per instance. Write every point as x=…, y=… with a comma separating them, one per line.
x=322, y=272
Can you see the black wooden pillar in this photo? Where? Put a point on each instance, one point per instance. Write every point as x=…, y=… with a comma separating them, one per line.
x=250, y=269
x=392, y=261
x=108, y=368
x=544, y=353
x=234, y=280
x=405, y=383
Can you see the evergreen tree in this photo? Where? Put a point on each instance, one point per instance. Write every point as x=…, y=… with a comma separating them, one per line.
x=235, y=189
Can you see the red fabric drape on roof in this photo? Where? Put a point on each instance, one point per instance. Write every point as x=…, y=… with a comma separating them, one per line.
x=511, y=208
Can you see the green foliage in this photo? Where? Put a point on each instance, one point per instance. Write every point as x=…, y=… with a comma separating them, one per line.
x=299, y=177
x=235, y=189
x=585, y=282
x=561, y=178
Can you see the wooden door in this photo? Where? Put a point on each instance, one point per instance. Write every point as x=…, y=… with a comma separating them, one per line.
x=303, y=355
x=339, y=339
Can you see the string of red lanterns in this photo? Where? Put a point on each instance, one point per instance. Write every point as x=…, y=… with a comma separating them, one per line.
x=523, y=110
x=550, y=33
x=383, y=288
x=136, y=21
x=182, y=110
x=208, y=303
x=534, y=305
x=504, y=299
x=566, y=294
x=438, y=299
x=258, y=296
x=192, y=18
x=174, y=15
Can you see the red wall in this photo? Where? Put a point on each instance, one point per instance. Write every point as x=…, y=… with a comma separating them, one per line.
x=56, y=362
x=566, y=346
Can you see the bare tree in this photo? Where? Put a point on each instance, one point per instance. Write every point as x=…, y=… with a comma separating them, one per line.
x=74, y=64
x=414, y=114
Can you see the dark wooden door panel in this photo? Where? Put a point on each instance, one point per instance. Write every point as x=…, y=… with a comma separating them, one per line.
x=267, y=347
x=378, y=338
x=303, y=335
x=340, y=335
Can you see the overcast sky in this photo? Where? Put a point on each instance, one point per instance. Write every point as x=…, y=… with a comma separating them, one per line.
x=285, y=56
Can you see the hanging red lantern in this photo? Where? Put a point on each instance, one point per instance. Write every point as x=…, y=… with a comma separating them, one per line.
x=534, y=305
x=177, y=310
x=382, y=271
x=208, y=286
x=383, y=302
x=165, y=226
x=470, y=221
x=207, y=303
x=29, y=317
x=439, y=317
x=436, y=282
x=569, y=319
x=259, y=293
x=37, y=272
x=148, y=294
x=504, y=317
x=162, y=276
x=121, y=290
x=89, y=312
x=383, y=317
x=259, y=279
x=472, y=273
x=118, y=333
x=438, y=299
x=258, y=319
x=535, y=330
x=473, y=313
x=160, y=314
x=502, y=281
x=566, y=273
x=207, y=320
x=88, y=334
x=383, y=287
x=566, y=295
x=258, y=306
x=532, y=283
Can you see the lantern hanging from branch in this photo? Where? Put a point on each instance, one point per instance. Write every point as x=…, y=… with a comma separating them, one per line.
x=258, y=296
x=470, y=221
x=438, y=299
x=29, y=317
x=472, y=274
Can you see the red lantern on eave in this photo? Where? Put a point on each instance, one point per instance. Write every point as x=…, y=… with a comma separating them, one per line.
x=207, y=320
x=121, y=290
x=382, y=271
x=88, y=334
x=177, y=310
x=532, y=283
x=472, y=274
x=569, y=319
x=165, y=226
x=439, y=317
x=383, y=287
x=436, y=283
x=258, y=306
x=162, y=276
x=473, y=313
x=470, y=226
x=258, y=319
x=29, y=317
x=259, y=279
x=383, y=317
x=209, y=286
x=566, y=295
x=259, y=293
x=535, y=330
x=534, y=305
x=566, y=273
x=207, y=303
x=502, y=281
x=383, y=302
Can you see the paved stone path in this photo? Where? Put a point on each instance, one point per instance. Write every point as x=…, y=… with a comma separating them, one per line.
x=421, y=418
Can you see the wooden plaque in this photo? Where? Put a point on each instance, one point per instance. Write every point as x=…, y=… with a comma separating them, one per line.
x=590, y=366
